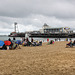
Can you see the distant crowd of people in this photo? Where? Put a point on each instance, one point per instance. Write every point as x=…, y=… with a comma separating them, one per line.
x=51, y=42
x=13, y=44
x=26, y=42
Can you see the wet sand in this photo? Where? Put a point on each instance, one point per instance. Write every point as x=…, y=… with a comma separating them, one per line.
x=52, y=59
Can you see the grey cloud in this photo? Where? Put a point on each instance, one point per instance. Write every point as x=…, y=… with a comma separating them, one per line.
x=24, y=8
x=32, y=14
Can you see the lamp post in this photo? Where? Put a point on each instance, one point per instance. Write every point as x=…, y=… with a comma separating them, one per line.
x=15, y=26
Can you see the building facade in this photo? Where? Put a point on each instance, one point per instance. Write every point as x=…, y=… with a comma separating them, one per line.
x=48, y=29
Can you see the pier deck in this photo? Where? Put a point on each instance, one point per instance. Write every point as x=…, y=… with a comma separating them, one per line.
x=46, y=35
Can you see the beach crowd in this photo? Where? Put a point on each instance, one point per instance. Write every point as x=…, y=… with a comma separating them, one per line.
x=13, y=44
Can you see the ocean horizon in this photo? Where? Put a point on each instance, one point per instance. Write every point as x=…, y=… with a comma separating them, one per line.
x=5, y=37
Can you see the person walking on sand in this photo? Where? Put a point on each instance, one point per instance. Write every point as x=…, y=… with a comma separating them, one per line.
x=31, y=39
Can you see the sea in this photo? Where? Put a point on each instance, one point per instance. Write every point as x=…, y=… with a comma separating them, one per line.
x=3, y=38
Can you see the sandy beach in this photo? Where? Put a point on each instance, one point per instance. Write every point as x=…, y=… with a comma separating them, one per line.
x=52, y=59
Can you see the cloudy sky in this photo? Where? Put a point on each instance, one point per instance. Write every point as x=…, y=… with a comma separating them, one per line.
x=32, y=14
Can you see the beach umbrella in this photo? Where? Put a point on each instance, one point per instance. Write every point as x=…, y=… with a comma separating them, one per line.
x=1, y=43
x=18, y=42
x=7, y=42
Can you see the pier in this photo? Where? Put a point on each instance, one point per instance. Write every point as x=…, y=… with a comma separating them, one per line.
x=46, y=35
x=54, y=35
x=45, y=32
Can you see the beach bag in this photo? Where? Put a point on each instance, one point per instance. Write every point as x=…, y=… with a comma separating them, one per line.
x=24, y=43
x=53, y=42
x=14, y=46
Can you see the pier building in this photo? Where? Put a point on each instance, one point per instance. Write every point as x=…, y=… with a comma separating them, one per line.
x=47, y=29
